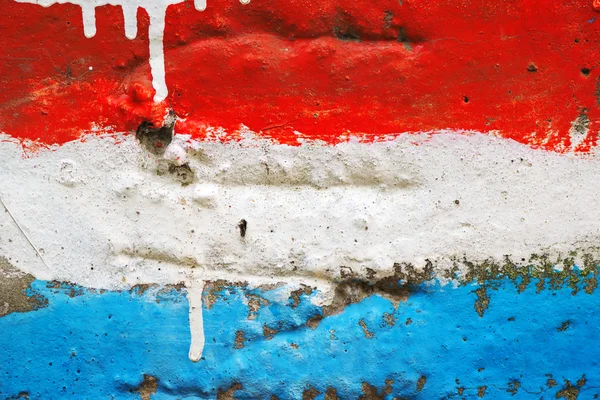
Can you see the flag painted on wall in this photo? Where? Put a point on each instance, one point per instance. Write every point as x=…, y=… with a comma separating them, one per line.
x=523, y=70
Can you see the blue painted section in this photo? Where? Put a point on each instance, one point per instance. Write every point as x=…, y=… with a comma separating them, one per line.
x=99, y=345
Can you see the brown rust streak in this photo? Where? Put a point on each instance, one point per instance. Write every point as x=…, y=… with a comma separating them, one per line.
x=148, y=387
x=228, y=394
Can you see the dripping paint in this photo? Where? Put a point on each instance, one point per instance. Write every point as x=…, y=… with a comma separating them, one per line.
x=436, y=333
x=156, y=9
x=195, y=287
x=359, y=75
x=403, y=71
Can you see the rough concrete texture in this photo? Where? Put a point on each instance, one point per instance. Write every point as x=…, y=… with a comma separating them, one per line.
x=14, y=286
x=133, y=344
x=291, y=200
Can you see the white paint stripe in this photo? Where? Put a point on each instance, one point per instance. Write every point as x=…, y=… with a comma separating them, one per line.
x=110, y=216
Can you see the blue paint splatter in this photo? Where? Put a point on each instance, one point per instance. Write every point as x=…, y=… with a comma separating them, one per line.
x=99, y=345
x=591, y=21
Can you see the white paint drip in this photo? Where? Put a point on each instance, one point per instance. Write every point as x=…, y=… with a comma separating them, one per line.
x=200, y=5
x=130, y=20
x=194, y=294
x=103, y=217
x=157, y=57
x=156, y=10
x=88, y=13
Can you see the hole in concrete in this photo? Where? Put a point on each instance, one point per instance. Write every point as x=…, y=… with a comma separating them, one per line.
x=243, y=225
x=156, y=140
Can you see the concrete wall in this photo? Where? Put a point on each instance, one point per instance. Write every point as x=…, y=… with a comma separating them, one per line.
x=288, y=200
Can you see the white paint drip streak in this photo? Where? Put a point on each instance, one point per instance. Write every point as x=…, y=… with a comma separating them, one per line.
x=156, y=10
x=194, y=295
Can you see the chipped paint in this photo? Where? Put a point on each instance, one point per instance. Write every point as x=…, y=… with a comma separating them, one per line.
x=14, y=295
x=364, y=200
x=418, y=360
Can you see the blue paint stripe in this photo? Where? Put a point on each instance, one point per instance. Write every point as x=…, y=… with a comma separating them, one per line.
x=99, y=346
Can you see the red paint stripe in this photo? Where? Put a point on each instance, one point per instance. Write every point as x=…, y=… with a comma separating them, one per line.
x=280, y=66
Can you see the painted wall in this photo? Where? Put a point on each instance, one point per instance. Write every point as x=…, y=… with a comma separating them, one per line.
x=375, y=200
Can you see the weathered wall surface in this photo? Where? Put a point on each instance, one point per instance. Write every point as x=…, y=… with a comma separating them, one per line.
x=375, y=200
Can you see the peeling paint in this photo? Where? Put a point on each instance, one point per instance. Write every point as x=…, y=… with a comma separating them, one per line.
x=495, y=349
x=357, y=201
x=14, y=286
x=148, y=387
x=570, y=391
x=229, y=394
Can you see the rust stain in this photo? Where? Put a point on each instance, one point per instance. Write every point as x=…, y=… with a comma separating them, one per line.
x=396, y=288
x=310, y=394
x=513, y=387
x=482, y=302
x=570, y=391
x=295, y=296
x=213, y=290
x=255, y=302
x=240, y=338
x=269, y=333
x=421, y=383
x=389, y=319
x=363, y=325
x=551, y=382
x=370, y=392
x=331, y=394
x=481, y=391
x=564, y=326
x=227, y=394
x=148, y=387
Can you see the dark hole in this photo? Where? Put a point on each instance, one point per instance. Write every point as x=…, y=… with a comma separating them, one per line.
x=243, y=225
x=532, y=68
x=155, y=140
x=466, y=99
x=585, y=71
x=402, y=37
x=183, y=172
x=346, y=32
